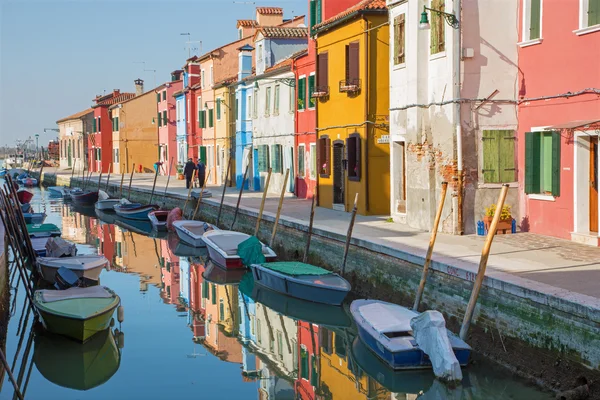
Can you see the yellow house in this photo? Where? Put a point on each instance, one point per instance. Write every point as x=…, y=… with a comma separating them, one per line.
x=352, y=88
x=224, y=128
x=135, y=132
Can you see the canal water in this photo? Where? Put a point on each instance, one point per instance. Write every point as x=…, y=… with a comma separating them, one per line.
x=192, y=331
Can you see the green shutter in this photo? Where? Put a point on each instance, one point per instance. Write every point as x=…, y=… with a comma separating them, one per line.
x=94, y=125
x=218, y=108
x=159, y=119
x=311, y=90
x=506, y=166
x=203, y=154
x=117, y=123
x=556, y=163
x=202, y=119
x=314, y=373
x=214, y=293
x=165, y=120
x=221, y=311
x=301, y=93
x=490, y=157
x=532, y=162
x=210, y=118
x=158, y=97
x=535, y=19
x=303, y=363
x=319, y=11
x=593, y=12
x=205, y=290
x=164, y=94
x=199, y=119
x=313, y=14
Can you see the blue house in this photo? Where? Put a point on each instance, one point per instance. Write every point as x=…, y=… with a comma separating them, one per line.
x=182, y=145
x=243, y=123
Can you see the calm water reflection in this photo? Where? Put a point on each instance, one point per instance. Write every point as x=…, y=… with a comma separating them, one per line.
x=192, y=330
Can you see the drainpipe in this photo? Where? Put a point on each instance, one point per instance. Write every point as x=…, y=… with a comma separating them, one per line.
x=457, y=117
x=367, y=81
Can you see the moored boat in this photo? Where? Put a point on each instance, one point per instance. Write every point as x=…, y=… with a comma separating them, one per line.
x=86, y=266
x=385, y=328
x=219, y=276
x=78, y=313
x=25, y=208
x=107, y=205
x=30, y=182
x=223, y=248
x=34, y=218
x=304, y=281
x=138, y=212
x=43, y=230
x=158, y=219
x=192, y=232
x=84, y=197
x=59, y=191
x=39, y=245
x=24, y=196
x=182, y=249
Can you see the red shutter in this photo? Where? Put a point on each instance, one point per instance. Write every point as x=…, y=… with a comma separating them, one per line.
x=353, y=58
x=322, y=72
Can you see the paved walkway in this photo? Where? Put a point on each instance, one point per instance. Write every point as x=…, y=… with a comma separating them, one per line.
x=549, y=265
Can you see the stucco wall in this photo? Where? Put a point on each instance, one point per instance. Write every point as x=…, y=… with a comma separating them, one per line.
x=306, y=121
x=138, y=136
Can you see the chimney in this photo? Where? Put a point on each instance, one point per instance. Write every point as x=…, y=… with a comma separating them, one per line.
x=116, y=92
x=139, y=86
x=245, y=61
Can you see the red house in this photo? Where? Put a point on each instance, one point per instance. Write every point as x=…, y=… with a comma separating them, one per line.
x=167, y=124
x=308, y=361
x=192, y=92
x=101, y=136
x=559, y=118
x=309, y=90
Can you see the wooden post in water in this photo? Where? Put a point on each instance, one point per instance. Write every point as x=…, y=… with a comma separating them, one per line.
x=10, y=376
x=121, y=188
x=153, y=186
x=237, y=207
x=434, y=230
x=262, y=203
x=41, y=170
x=276, y=223
x=130, y=179
x=168, y=179
x=200, y=195
x=189, y=192
x=71, y=180
x=464, y=329
x=99, y=179
x=349, y=234
x=108, y=179
x=224, y=189
x=310, y=229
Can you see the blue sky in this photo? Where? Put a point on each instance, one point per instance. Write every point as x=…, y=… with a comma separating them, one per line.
x=55, y=57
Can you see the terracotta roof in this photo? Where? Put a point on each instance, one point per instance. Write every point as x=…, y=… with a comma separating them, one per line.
x=287, y=62
x=250, y=23
x=115, y=99
x=227, y=81
x=292, y=21
x=363, y=6
x=269, y=10
x=76, y=115
x=283, y=32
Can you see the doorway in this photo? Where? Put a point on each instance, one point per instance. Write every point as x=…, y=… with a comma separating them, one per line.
x=594, y=184
x=338, y=174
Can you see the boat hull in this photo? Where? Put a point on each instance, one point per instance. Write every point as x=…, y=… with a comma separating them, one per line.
x=24, y=196
x=187, y=236
x=137, y=213
x=230, y=262
x=107, y=205
x=158, y=219
x=48, y=272
x=59, y=191
x=85, y=198
x=78, y=329
x=289, y=286
x=34, y=218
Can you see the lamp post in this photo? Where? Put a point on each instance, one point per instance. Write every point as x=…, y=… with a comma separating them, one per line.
x=37, y=136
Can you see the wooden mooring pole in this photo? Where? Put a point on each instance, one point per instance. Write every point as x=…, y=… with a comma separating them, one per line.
x=464, y=329
x=10, y=375
x=237, y=207
x=434, y=230
x=99, y=180
x=153, y=186
x=108, y=179
x=121, y=188
x=168, y=180
x=262, y=203
x=200, y=195
x=276, y=223
x=224, y=188
x=130, y=179
x=310, y=228
x=349, y=234
x=72, y=174
x=189, y=193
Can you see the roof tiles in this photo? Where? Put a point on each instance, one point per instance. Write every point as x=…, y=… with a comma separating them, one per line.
x=269, y=10
x=116, y=99
x=76, y=115
x=364, y=5
x=283, y=32
x=247, y=23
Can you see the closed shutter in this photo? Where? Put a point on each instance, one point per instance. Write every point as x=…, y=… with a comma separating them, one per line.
x=319, y=11
x=203, y=119
x=164, y=95
x=593, y=12
x=535, y=19
x=204, y=289
x=165, y=119
x=218, y=108
x=159, y=119
x=532, y=162
x=490, y=157
x=556, y=163
x=304, y=363
x=358, y=155
x=322, y=71
x=313, y=14
x=437, y=27
x=399, y=29
x=213, y=295
x=94, y=125
x=158, y=97
x=301, y=93
x=311, y=90
x=507, y=166
x=199, y=119
x=314, y=373
x=327, y=156
x=210, y=118
x=203, y=154
x=353, y=58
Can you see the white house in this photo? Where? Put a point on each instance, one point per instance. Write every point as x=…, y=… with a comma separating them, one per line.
x=428, y=144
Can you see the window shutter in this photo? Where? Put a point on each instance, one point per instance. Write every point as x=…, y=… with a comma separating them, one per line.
x=313, y=14
x=301, y=93
x=490, y=157
x=165, y=119
x=556, y=163
x=218, y=108
x=593, y=12
x=319, y=11
x=311, y=90
x=210, y=118
x=507, y=167
x=437, y=27
x=203, y=154
x=159, y=119
x=204, y=288
x=323, y=70
x=213, y=295
x=164, y=95
x=534, y=19
x=203, y=119
x=304, y=363
x=399, y=29
x=327, y=156
x=353, y=53
x=158, y=97
x=358, y=153
x=532, y=162
x=94, y=125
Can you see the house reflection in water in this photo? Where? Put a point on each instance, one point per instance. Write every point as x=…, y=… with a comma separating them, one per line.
x=307, y=380
x=196, y=311
x=106, y=239
x=75, y=226
x=141, y=255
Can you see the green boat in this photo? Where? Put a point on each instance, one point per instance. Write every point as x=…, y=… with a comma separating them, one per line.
x=43, y=230
x=78, y=366
x=78, y=313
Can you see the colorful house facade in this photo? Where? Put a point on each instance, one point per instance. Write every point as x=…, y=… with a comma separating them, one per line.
x=167, y=124
x=244, y=90
x=352, y=121
x=559, y=119
x=72, y=131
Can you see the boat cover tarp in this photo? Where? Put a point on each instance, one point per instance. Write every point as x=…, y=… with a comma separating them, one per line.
x=429, y=330
x=387, y=317
x=296, y=268
x=102, y=195
x=205, y=195
x=92, y=292
x=39, y=228
x=251, y=251
x=58, y=247
x=174, y=215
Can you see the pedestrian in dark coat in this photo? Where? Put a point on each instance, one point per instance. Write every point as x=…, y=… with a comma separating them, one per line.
x=201, y=172
x=188, y=172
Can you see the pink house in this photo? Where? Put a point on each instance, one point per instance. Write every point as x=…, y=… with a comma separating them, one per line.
x=167, y=126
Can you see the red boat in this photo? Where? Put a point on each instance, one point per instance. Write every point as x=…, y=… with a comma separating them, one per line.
x=24, y=196
x=82, y=197
x=223, y=248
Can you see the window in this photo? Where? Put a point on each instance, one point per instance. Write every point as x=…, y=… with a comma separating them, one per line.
x=532, y=21
x=204, y=289
x=202, y=80
x=213, y=295
x=301, y=169
x=542, y=163
x=314, y=373
x=311, y=89
x=276, y=101
x=353, y=149
x=302, y=93
x=116, y=155
x=263, y=158
x=99, y=126
x=258, y=331
x=159, y=119
x=255, y=105
x=94, y=125
x=589, y=16
x=165, y=119
x=250, y=104
x=221, y=310
x=499, y=156
x=158, y=97
x=352, y=60
x=272, y=343
x=210, y=156
x=276, y=159
x=218, y=109
x=319, y=11
x=240, y=33
x=178, y=107
x=313, y=161
x=324, y=150
x=323, y=73
x=260, y=52
x=292, y=99
x=399, y=39
x=438, y=27
x=237, y=107
x=164, y=94
x=218, y=154
x=211, y=117
x=268, y=101
x=340, y=346
x=202, y=119
x=280, y=345
x=303, y=362
x=325, y=339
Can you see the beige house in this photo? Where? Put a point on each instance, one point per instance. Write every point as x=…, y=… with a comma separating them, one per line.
x=72, y=131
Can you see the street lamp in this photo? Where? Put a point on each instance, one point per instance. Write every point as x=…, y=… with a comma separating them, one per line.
x=450, y=18
x=37, y=136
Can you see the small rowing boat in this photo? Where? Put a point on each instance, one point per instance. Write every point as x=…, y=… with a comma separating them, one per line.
x=105, y=203
x=192, y=232
x=84, y=197
x=223, y=248
x=158, y=219
x=43, y=230
x=34, y=218
x=86, y=266
x=60, y=191
x=24, y=196
x=138, y=212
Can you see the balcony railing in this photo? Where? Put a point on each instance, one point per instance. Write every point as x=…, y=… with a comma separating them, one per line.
x=349, y=85
x=320, y=91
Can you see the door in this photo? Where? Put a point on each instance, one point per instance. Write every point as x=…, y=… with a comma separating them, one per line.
x=338, y=173
x=594, y=184
x=290, y=165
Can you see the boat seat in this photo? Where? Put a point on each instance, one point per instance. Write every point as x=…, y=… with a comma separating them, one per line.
x=97, y=292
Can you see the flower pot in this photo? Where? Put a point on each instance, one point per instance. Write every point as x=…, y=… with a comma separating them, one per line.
x=504, y=225
x=179, y=177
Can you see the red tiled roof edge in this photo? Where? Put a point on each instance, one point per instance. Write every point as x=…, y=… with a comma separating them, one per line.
x=76, y=115
x=282, y=32
x=269, y=10
x=115, y=100
x=365, y=6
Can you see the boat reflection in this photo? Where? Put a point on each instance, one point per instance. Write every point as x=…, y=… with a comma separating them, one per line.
x=78, y=366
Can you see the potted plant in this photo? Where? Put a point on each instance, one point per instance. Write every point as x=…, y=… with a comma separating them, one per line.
x=180, y=172
x=505, y=222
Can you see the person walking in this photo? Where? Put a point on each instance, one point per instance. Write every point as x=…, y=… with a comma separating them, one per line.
x=201, y=172
x=188, y=172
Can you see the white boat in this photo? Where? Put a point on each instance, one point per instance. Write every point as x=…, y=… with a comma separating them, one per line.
x=105, y=203
x=223, y=248
x=39, y=245
x=192, y=232
x=88, y=266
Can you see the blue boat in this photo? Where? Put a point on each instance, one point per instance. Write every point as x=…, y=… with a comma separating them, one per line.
x=34, y=218
x=137, y=212
x=304, y=281
x=385, y=329
x=3, y=172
